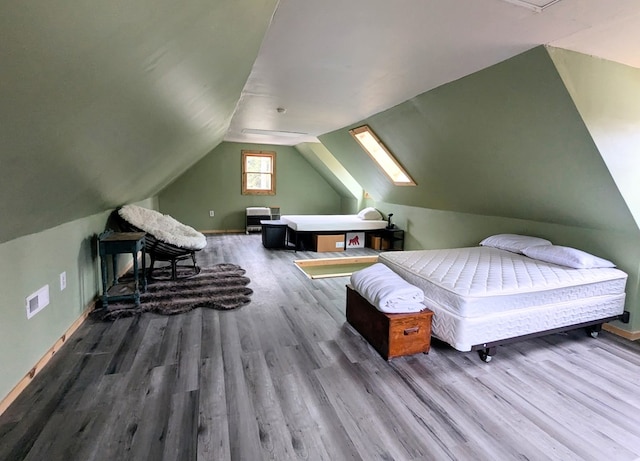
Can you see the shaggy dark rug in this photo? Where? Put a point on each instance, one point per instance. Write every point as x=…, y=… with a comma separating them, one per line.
x=222, y=286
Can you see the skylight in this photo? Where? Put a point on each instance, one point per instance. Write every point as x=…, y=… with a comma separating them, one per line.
x=381, y=155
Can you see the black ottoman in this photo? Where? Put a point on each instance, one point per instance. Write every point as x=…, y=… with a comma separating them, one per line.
x=274, y=234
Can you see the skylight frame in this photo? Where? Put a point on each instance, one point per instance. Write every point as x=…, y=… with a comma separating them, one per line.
x=388, y=163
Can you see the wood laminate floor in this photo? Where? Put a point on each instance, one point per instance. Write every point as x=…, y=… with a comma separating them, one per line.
x=285, y=378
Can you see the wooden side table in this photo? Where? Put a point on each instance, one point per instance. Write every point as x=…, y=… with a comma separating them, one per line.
x=115, y=243
x=393, y=239
x=386, y=239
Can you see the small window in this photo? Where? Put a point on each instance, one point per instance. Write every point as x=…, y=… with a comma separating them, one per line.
x=258, y=173
x=381, y=155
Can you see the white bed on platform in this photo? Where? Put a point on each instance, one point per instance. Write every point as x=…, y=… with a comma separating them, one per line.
x=301, y=226
x=331, y=223
x=484, y=296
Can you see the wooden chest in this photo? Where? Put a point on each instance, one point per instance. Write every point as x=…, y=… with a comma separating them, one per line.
x=392, y=335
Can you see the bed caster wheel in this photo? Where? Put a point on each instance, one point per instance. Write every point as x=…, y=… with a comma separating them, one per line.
x=594, y=330
x=484, y=356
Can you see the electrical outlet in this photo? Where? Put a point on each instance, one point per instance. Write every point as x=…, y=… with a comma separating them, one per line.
x=63, y=280
x=211, y=213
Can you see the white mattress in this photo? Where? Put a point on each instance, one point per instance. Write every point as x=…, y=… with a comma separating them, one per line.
x=477, y=281
x=324, y=223
x=481, y=294
x=463, y=332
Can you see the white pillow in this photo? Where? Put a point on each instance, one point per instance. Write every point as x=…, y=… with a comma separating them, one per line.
x=566, y=256
x=513, y=242
x=369, y=213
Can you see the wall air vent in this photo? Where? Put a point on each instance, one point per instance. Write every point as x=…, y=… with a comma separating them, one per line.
x=536, y=5
x=37, y=301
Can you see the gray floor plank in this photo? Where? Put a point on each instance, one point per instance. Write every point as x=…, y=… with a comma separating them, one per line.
x=213, y=425
x=149, y=439
x=285, y=377
x=306, y=438
x=189, y=352
x=547, y=412
x=183, y=418
x=275, y=437
x=244, y=433
x=355, y=407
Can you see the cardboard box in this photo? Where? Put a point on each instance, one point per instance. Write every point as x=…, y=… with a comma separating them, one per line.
x=355, y=240
x=328, y=242
x=374, y=242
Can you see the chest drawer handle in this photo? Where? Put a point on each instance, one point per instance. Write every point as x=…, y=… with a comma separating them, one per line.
x=411, y=331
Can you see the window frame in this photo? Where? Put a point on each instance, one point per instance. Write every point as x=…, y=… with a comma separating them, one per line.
x=272, y=173
x=366, y=129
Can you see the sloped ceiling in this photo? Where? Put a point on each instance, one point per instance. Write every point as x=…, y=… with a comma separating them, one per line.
x=103, y=103
x=332, y=62
x=331, y=170
x=506, y=141
x=106, y=102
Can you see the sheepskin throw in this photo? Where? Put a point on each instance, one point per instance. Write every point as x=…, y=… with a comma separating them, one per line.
x=163, y=227
x=221, y=286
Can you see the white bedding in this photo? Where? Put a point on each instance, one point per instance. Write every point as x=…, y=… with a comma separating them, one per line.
x=480, y=280
x=483, y=294
x=386, y=290
x=462, y=333
x=328, y=223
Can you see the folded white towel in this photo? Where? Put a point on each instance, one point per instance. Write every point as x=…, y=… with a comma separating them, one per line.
x=386, y=290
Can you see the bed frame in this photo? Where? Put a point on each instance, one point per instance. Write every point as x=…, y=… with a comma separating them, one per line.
x=301, y=239
x=487, y=329
x=487, y=350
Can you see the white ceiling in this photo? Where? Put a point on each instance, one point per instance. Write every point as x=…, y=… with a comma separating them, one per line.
x=332, y=63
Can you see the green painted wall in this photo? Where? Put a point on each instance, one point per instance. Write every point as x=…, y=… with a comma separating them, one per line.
x=27, y=264
x=30, y=262
x=105, y=103
x=607, y=96
x=215, y=183
x=503, y=150
x=335, y=174
x=505, y=141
